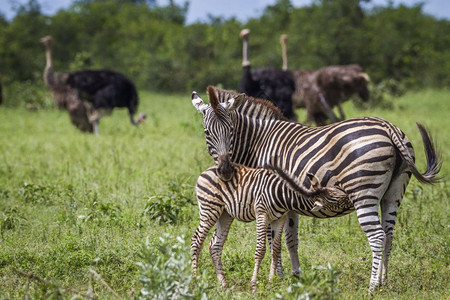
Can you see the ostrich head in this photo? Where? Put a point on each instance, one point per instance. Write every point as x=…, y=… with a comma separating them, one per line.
x=363, y=86
x=141, y=117
x=218, y=127
x=244, y=33
x=46, y=40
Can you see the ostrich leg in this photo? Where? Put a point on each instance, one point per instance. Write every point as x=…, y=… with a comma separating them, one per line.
x=327, y=108
x=96, y=122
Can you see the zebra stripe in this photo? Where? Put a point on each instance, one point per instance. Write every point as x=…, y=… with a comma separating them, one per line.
x=370, y=158
x=265, y=195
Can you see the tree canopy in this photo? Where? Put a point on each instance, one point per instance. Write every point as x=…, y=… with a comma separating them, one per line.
x=152, y=45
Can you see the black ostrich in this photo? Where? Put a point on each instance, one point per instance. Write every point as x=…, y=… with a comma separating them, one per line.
x=91, y=94
x=105, y=90
x=267, y=83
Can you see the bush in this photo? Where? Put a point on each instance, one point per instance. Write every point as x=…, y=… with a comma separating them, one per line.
x=316, y=283
x=28, y=95
x=382, y=94
x=169, y=207
x=165, y=271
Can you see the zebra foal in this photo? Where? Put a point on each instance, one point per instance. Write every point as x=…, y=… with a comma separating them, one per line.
x=265, y=195
x=370, y=158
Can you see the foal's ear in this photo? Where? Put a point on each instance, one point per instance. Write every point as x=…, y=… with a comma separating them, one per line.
x=314, y=181
x=198, y=102
x=233, y=103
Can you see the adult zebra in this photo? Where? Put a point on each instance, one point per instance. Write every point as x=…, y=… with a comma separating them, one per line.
x=370, y=158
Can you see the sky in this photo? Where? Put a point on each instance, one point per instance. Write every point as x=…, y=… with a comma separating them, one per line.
x=241, y=9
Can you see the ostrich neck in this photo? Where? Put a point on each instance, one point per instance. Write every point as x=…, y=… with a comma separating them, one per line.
x=245, y=60
x=48, y=72
x=284, y=53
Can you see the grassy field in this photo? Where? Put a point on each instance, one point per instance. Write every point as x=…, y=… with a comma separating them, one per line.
x=72, y=204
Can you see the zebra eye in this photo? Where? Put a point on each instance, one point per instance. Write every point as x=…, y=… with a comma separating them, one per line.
x=206, y=131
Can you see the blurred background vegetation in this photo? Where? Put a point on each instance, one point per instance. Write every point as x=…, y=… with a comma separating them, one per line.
x=153, y=46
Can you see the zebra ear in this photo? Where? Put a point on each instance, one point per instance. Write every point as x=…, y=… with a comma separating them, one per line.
x=198, y=102
x=314, y=181
x=233, y=103
x=237, y=101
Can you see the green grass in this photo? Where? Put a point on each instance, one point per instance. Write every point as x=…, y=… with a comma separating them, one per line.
x=71, y=202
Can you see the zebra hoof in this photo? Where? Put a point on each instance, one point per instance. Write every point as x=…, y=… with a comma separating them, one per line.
x=253, y=286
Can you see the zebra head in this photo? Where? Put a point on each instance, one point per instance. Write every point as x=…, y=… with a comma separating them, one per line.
x=218, y=127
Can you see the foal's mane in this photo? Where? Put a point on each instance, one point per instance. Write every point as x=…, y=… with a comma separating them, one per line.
x=251, y=107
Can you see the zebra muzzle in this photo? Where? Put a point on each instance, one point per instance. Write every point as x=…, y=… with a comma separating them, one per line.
x=225, y=168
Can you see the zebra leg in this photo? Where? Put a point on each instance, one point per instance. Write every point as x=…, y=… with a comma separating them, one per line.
x=206, y=223
x=261, y=227
x=216, y=245
x=389, y=207
x=277, y=231
x=291, y=238
x=370, y=223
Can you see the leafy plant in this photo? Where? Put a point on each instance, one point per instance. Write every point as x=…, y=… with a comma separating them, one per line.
x=27, y=94
x=10, y=219
x=316, y=283
x=102, y=211
x=383, y=94
x=34, y=193
x=165, y=271
x=168, y=208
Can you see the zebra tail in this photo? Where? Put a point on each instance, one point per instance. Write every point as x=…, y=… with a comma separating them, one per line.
x=433, y=156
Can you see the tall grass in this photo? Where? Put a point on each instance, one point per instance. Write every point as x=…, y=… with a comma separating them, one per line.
x=72, y=202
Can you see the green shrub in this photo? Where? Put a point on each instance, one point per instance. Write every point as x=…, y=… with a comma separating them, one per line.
x=27, y=94
x=10, y=219
x=315, y=283
x=165, y=271
x=382, y=94
x=169, y=207
x=34, y=193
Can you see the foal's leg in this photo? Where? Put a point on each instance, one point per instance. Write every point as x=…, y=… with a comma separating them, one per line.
x=216, y=245
x=261, y=227
x=207, y=220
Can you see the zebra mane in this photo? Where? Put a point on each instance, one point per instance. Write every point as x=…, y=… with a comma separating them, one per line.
x=251, y=107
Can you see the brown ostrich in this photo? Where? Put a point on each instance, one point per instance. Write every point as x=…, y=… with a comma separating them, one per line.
x=338, y=83
x=96, y=92
x=65, y=96
x=321, y=90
